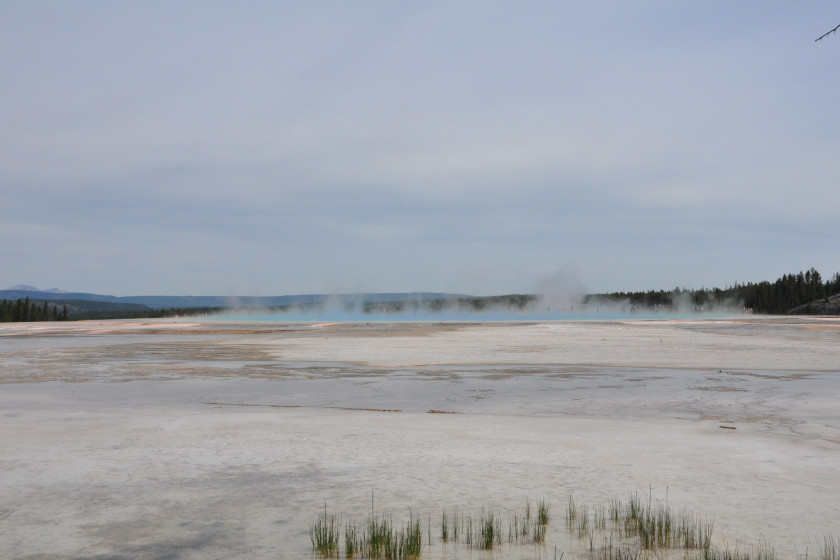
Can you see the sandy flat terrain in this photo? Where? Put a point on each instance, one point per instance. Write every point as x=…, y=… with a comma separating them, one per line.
x=184, y=439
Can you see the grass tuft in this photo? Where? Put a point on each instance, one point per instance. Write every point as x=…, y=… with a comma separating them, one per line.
x=490, y=531
x=543, y=512
x=828, y=548
x=571, y=512
x=323, y=533
x=634, y=529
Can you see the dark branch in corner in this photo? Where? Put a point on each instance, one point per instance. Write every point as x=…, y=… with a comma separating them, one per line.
x=824, y=35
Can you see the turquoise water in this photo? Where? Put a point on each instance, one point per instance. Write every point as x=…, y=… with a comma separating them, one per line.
x=340, y=315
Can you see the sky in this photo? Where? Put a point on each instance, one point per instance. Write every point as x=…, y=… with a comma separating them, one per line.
x=270, y=148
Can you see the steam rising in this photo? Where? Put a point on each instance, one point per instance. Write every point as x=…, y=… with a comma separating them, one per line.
x=561, y=296
x=560, y=292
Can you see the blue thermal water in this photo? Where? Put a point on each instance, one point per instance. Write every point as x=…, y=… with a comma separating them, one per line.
x=344, y=316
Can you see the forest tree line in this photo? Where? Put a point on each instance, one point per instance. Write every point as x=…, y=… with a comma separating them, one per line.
x=773, y=298
x=23, y=310
x=789, y=292
x=148, y=313
x=26, y=310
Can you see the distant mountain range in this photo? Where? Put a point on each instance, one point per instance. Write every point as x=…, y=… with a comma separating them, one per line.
x=27, y=288
x=22, y=291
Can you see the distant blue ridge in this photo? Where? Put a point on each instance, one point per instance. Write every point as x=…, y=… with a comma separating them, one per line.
x=168, y=302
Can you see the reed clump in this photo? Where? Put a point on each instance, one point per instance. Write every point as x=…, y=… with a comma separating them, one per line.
x=489, y=531
x=543, y=512
x=379, y=538
x=828, y=547
x=323, y=533
x=633, y=529
x=571, y=512
x=656, y=525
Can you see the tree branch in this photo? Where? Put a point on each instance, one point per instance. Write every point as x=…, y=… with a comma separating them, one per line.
x=824, y=35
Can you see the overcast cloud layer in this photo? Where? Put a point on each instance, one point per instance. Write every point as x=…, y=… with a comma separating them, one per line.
x=267, y=148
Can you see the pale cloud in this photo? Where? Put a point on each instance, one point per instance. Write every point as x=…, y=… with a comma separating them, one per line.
x=443, y=146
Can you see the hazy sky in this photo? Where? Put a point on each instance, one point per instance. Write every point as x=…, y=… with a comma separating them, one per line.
x=266, y=148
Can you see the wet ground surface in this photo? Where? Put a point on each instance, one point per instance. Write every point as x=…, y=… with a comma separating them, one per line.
x=196, y=440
